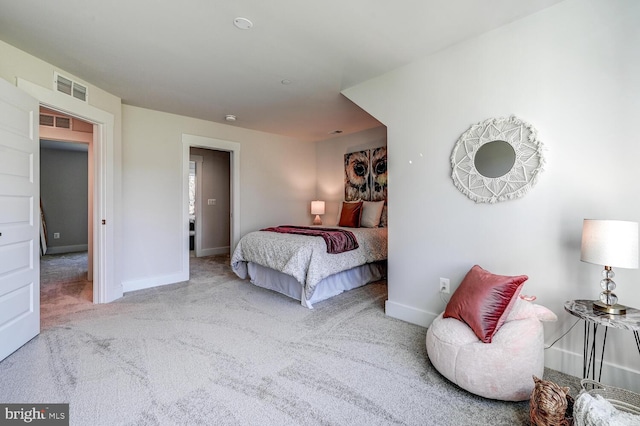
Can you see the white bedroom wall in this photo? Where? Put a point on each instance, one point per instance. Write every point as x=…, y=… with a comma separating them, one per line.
x=330, y=167
x=277, y=178
x=277, y=182
x=572, y=71
x=16, y=63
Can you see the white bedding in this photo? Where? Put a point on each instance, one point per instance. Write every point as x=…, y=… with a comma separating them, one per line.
x=304, y=257
x=328, y=287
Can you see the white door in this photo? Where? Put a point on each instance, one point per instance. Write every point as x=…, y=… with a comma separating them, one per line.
x=19, y=219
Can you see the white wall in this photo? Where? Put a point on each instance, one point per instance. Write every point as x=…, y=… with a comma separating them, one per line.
x=18, y=64
x=277, y=182
x=330, y=167
x=277, y=179
x=572, y=71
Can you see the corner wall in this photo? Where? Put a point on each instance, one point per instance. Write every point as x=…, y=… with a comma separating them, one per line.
x=15, y=64
x=278, y=177
x=277, y=183
x=570, y=70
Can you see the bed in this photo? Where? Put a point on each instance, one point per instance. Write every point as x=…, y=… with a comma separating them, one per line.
x=300, y=267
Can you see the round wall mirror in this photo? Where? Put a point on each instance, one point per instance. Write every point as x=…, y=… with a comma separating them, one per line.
x=497, y=159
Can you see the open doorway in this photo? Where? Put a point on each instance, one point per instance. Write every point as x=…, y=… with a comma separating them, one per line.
x=66, y=272
x=102, y=154
x=233, y=151
x=209, y=202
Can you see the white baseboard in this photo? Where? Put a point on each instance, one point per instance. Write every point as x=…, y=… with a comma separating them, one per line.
x=554, y=358
x=67, y=249
x=613, y=375
x=409, y=314
x=160, y=280
x=141, y=284
x=214, y=250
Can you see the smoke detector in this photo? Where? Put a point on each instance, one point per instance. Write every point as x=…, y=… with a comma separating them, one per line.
x=243, y=23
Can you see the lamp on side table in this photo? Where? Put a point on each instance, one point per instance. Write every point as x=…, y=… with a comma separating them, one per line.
x=609, y=243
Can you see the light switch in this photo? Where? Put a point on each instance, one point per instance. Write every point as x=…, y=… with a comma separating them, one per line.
x=211, y=202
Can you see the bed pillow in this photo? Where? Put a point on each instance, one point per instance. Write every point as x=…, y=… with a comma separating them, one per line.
x=483, y=300
x=383, y=217
x=371, y=212
x=523, y=309
x=351, y=214
x=340, y=208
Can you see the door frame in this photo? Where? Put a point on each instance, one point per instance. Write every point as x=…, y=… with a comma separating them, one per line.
x=193, y=141
x=197, y=239
x=106, y=287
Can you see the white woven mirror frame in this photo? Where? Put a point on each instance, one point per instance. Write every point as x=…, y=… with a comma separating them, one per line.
x=529, y=161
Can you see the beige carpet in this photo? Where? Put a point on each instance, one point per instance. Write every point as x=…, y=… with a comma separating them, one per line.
x=218, y=351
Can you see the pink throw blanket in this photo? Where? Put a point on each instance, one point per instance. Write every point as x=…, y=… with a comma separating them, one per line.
x=338, y=240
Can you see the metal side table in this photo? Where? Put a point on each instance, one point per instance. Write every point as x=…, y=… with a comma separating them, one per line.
x=583, y=309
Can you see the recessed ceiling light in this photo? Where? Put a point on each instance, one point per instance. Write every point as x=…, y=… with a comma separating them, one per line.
x=242, y=23
x=285, y=81
x=230, y=117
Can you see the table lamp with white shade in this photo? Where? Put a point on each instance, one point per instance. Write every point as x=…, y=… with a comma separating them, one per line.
x=609, y=243
x=317, y=208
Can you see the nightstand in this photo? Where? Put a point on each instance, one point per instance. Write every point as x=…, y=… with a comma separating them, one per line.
x=583, y=309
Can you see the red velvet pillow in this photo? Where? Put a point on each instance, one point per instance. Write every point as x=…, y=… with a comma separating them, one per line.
x=483, y=301
x=351, y=214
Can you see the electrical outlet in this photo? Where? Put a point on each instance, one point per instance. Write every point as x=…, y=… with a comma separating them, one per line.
x=56, y=235
x=444, y=285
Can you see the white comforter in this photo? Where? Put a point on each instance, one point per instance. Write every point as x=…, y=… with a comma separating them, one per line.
x=305, y=257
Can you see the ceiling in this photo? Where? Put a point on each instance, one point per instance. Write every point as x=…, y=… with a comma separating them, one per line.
x=188, y=58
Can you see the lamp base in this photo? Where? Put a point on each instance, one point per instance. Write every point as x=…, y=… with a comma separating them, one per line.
x=616, y=309
x=317, y=220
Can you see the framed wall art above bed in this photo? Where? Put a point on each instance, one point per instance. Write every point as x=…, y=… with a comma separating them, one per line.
x=365, y=177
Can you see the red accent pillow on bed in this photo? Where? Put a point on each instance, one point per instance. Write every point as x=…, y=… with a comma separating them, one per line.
x=483, y=301
x=351, y=214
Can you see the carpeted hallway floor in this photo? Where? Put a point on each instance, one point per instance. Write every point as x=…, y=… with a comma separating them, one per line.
x=64, y=288
x=217, y=350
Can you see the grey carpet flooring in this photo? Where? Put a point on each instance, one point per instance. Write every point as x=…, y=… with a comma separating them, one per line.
x=217, y=350
x=63, y=287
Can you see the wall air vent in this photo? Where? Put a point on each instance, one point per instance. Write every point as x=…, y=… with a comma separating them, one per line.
x=63, y=122
x=80, y=92
x=60, y=122
x=46, y=120
x=69, y=87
